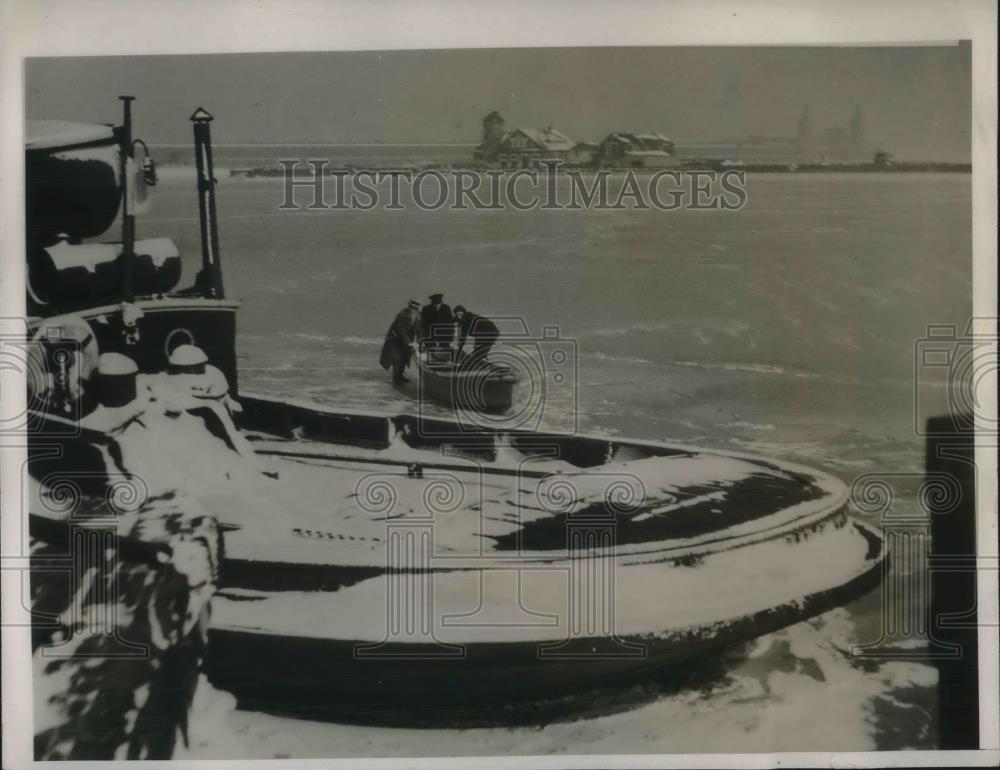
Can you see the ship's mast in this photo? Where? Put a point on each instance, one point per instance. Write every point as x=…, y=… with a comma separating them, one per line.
x=211, y=267
x=128, y=218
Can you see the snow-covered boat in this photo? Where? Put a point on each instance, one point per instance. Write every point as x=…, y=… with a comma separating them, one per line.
x=500, y=566
x=402, y=559
x=380, y=558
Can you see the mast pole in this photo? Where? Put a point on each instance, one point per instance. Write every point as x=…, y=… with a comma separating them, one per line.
x=211, y=266
x=128, y=218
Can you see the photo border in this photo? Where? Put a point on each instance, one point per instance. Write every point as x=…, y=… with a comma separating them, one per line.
x=107, y=27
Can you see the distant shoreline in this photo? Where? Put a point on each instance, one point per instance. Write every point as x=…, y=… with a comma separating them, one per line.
x=698, y=166
x=442, y=156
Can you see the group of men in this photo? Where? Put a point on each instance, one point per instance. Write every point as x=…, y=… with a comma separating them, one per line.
x=433, y=328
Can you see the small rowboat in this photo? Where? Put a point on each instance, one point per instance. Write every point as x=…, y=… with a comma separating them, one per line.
x=470, y=384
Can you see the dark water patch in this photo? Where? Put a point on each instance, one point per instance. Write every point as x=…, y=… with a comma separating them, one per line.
x=756, y=496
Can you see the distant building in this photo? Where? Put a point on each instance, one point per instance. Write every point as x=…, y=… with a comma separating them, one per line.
x=528, y=147
x=805, y=133
x=837, y=144
x=856, y=128
x=492, y=137
x=582, y=154
x=520, y=148
x=630, y=150
x=882, y=159
x=833, y=145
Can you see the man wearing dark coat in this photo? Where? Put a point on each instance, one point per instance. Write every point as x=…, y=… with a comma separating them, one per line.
x=437, y=323
x=482, y=330
x=400, y=340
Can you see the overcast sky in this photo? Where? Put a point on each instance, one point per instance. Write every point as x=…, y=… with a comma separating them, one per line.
x=916, y=101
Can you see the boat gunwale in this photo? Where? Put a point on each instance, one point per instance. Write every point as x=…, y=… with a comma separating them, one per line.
x=151, y=303
x=780, y=523
x=452, y=371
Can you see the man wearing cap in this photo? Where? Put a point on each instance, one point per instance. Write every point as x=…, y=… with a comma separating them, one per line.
x=438, y=324
x=482, y=330
x=401, y=340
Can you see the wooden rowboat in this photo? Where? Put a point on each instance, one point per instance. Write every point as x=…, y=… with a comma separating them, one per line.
x=469, y=385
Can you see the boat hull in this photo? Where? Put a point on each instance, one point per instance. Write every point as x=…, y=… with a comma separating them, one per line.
x=311, y=671
x=485, y=388
x=524, y=617
x=378, y=558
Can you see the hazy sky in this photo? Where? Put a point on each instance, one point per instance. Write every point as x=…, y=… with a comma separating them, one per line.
x=916, y=101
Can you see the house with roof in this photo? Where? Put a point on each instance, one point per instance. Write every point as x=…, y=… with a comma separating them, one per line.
x=528, y=147
x=633, y=150
x=582, y=154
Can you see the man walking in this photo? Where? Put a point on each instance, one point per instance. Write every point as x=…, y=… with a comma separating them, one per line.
x=482, y=330
x=437, y=323
x=400, y=341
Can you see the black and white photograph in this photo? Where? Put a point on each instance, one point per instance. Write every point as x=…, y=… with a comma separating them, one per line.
x=520, y=394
